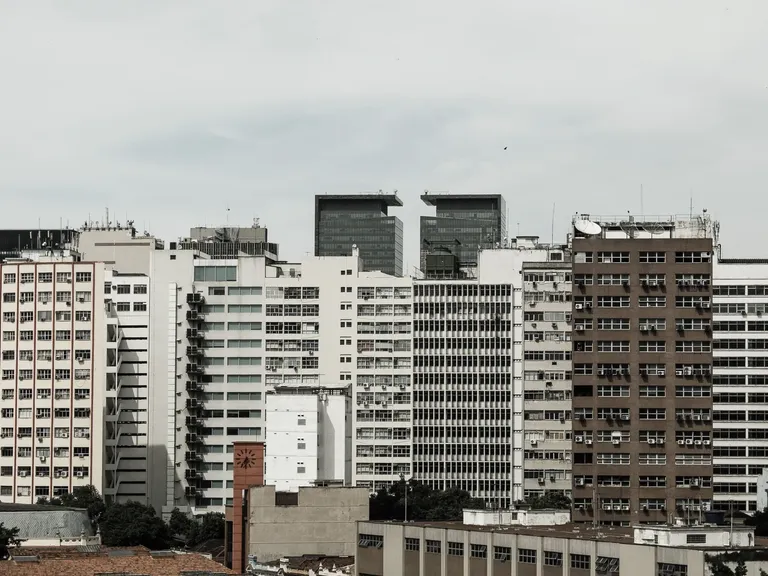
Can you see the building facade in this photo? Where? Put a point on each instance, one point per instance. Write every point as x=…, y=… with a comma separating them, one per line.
x=468, y=376
x=463, y=224
x=642, y=315
x=343, y=222
x=740, y=384
x=547, y=377
x=52, y=364
x=309, y=437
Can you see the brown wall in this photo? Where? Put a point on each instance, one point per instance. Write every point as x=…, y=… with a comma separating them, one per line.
x=245, y=475
x=634, y=358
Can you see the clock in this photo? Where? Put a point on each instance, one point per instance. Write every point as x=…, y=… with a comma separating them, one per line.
x=245, y=458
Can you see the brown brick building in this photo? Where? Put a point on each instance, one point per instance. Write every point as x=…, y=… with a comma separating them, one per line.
x=642, y=362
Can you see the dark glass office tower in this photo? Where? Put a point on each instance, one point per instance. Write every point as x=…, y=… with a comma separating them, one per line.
x=342, y=221
x=462, y=224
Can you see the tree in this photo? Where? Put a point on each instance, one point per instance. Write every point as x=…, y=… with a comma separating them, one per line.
x=180, y=524
x=741, y=569
x=550, y=500
x=8, y=537
x=133, y=524
x=197, y=530
x=86, y=497
x=423, y=503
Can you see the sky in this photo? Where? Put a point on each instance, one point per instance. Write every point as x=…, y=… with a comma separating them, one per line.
x=168, y=112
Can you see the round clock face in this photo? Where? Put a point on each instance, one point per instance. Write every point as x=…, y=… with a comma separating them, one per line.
x=245, y=459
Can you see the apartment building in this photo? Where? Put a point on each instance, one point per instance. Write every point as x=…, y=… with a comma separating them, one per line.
x=127, y=408
x=642, y=361
x=547, y=377
x=468, y=376
x=740, y=382
x=309, y=437
x=53, y=353
x=225, y=330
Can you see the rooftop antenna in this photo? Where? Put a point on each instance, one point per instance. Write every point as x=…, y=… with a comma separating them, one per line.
x=690, y=208
x=552, y=235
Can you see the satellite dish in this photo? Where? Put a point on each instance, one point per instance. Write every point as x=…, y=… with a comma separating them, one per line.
x=587, y=227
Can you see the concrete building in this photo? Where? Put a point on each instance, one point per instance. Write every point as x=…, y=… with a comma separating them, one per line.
x=457, y=549
x=127, y=390
x=463, y=225
x=119, y=246
x=52, y=364
x=346, y=221
x=316, y=520
x=547, y=376
x=468, y=375
x=739, y=382
x=642, y=296
x=309, y=437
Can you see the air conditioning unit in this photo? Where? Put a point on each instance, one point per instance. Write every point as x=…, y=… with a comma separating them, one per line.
x=660, y=441
x=695, y=483
x=579, y=327
x=79, y=474
x=625, y=417
x=689, y=442
x=616, y=442
x=600, y=372
x=588, y=441
x=644, y=328
x=579, y=481
x=678, y=372
x=681, y=442
x=697, y=416
x=707, y=442
x=534, y=442
x=697, y=442
x=651, y=441
x=661, y=373
x=575, y=306
x=579, y=439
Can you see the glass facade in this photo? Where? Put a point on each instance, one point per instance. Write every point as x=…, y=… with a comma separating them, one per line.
x=342, y=222
x=461, y=225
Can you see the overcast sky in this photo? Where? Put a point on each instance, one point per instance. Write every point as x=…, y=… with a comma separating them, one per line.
x=168, y=111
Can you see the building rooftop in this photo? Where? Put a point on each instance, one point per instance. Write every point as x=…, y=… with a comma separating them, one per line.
x=621, y=535
x=92, y=560
x=387, y=199
x=432, y=199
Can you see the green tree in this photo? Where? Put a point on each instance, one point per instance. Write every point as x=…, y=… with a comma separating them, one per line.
x=741, y=569
x=760, y=521
x=180, y=524
x=423, y=503
x=550, y=500
x=8, y=537
x=133, y=524
x=210, y=526
x=86, y=497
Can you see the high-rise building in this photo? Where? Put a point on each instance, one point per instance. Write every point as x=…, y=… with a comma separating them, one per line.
x=547, y=376
x=53, y=358
x=463, y=225
x=345, y=221
x=642, y=362
x=739, y=382
x=468, y=375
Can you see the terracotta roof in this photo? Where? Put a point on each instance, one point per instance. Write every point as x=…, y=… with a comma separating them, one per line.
x=69, y=561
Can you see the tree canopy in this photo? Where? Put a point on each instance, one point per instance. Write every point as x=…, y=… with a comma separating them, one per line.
x=760, y=521
x=135, y=524
x=424, y=504
x=8, y=537
x=550, y=500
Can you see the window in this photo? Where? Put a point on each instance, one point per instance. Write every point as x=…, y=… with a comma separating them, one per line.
x=432, y=546
x=607, y=565
x=412, y=544
x=613, y=346
x=613, y=257
x=215, y=273
x=613, y=301
x=526, y=556
x=665, y=569
x=455, y=549
x=370, y=541
x=652, y=301
x=652, y=257
x=653, y=346
x=580, y=561
x=692, y=257
x=502, y=553
x=553, y=558
x=478, y=550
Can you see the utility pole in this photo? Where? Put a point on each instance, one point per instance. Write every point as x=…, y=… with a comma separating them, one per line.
x=405, y=488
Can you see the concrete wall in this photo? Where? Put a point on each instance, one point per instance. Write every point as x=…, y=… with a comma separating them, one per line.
x=324, y=522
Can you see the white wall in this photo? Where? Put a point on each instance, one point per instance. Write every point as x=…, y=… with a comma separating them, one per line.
x=292, y=451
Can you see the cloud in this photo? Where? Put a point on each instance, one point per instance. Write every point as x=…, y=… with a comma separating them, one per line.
x=164, y=109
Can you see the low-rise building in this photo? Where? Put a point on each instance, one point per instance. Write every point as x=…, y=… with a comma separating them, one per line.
x=458, y=549
x=45, y=525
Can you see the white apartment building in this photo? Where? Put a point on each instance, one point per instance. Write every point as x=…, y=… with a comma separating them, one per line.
x=126, y=436
x=309, y=437
x=53, y=365
x=468, y=376
x=224, y=331
x=740, y=382
x=547, y=377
